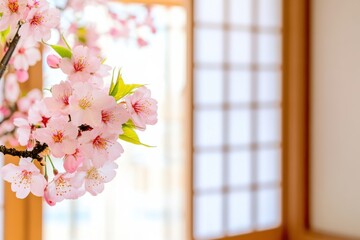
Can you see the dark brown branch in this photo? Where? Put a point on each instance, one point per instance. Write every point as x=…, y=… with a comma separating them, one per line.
x=34, y=154
x=5, y=60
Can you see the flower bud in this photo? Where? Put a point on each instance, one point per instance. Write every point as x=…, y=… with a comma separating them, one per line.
x=22, y=75
x=53, y=61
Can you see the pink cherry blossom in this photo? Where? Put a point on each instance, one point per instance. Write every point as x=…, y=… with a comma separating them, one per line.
x=142, y=42
x=59, y=102
x=78, y=5
x=26, y=54
x=142, y=108
x=12, y=11
x=38, y=23
x=113, y=116
x=94, y=177
x=82, y=64
x=73, y=161
x=26, y=102
x=86, y=104
x=97, y=76
x=53, y=61
x=60, y=135
x=39, y=114
x=37, y=4
x=121, y=30
x=24, y=131
x=61, y=188
x=86, y=35
x=100, y=146
x=12, y=89
x=24, y=178
x=22, y=75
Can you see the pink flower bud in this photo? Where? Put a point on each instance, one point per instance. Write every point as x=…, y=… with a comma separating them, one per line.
x=22, y=75
x=141, y=42
x=53, y=61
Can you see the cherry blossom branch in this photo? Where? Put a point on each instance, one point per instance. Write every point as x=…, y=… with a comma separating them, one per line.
x=5, y=60
x=34, y=153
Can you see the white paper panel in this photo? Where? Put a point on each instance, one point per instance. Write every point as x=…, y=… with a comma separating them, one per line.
x=240, y=12
x=239, y=168
x=208, y=171
x=239, y=86
x=269, y=13
x=209, y=11
x=269, y=49
x=208, y=45
x=208, y=216
x=239, y=127
x=239, y=209
x=269, y=86
x=268, y=205
x=268, y=165
x=208, y=131
x=240, y=47
x=208, y=86
x=268, y=125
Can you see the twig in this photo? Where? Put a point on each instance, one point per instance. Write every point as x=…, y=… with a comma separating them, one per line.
x=5, y=60
x=34, y=154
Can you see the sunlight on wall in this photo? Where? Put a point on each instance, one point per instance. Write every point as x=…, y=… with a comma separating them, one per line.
x=145, y=201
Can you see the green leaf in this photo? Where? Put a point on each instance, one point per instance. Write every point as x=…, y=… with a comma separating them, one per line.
x=112, y=82
x=4, y=34
x=131, y=136
x=62, y=51
x=119, y=89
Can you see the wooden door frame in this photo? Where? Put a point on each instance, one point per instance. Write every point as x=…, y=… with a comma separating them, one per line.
x=296, y=122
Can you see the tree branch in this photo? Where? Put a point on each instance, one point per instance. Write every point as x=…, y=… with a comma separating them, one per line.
x=34, y=154
x=5, y=60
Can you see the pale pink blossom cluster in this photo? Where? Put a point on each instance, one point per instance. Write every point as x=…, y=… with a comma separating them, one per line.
x=37, y=18
x=33, y=20
x=80, y=124
x=21, y=106
x=125, y=26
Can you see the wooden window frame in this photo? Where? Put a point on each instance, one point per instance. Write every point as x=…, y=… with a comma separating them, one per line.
x=296, y=123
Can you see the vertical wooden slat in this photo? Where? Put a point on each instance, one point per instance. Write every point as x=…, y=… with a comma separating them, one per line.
x=189, y=121
x=295, y=75
x=226, y=121
x=253, y=112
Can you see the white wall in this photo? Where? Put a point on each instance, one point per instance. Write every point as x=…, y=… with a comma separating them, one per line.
x=335, y=166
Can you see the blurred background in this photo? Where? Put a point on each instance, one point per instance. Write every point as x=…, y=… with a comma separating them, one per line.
x=218, y=170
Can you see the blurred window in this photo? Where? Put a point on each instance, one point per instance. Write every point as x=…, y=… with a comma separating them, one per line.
x=145, y=200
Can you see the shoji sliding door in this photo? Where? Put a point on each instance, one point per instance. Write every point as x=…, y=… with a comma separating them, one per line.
x=236, y=119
